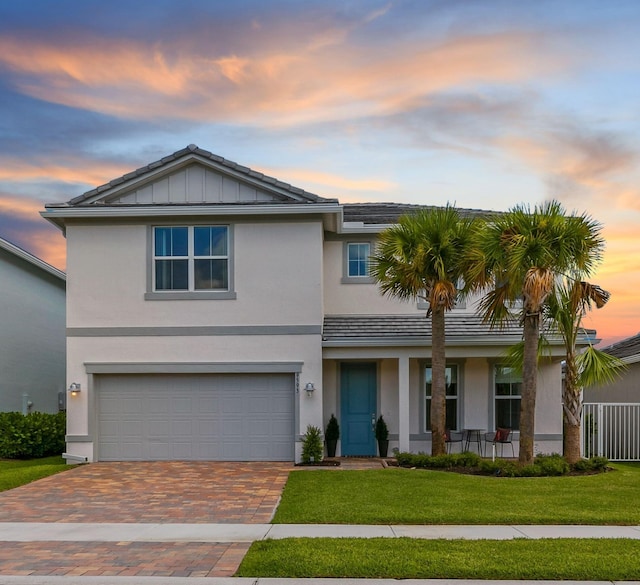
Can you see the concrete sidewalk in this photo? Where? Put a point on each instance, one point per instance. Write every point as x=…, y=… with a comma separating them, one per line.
x=56, y=580
x=225, y=533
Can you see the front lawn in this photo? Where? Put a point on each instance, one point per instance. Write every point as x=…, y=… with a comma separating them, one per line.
x=417, y=496
x=406, y=558
x=14, y=472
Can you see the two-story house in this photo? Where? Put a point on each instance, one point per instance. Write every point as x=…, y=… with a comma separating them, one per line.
x=215, y=312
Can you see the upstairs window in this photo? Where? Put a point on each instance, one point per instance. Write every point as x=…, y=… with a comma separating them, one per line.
x=191, y=258
x=358, y=259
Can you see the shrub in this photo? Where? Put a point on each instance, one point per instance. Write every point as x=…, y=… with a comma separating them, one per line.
x=593, y=464
x=382, y=431
x=312, y=445
x=37, y=434
x=550, y=465
x=422, y=460
x=542, y=466
x=332, y=432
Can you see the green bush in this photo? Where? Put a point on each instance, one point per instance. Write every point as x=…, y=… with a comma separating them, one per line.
x=37, y=434
x=422, y=460
x=332, y=432
x=594, y=464
x=542, y=466
x=312, y=448
x=550, y=465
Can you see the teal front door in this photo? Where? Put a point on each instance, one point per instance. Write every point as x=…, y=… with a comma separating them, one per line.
x=358, y=391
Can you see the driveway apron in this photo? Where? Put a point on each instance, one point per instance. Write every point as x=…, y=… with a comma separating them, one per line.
x=141, y=492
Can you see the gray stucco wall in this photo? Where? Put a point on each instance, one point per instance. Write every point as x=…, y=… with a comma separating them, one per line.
x=32, y=335
x=626, y=389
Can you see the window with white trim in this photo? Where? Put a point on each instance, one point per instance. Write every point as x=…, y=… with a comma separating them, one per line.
x=451, y=381
x=191, y=258
x=507, y=394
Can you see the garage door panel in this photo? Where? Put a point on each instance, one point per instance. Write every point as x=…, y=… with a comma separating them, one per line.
x=239, y=417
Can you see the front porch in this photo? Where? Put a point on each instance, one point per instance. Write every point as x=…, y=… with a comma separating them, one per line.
x=482, y=393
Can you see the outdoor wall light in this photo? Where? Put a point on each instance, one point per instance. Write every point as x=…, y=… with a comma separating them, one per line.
x=74, y=388
x=310, y=388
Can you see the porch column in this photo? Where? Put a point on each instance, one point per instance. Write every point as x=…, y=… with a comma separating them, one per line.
x=403, y=403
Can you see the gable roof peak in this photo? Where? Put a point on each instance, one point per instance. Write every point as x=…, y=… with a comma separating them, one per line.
x=190, y=151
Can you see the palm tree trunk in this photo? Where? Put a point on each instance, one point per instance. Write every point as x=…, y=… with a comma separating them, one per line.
x=571, y=411
x=529, y=388
x=438, y=382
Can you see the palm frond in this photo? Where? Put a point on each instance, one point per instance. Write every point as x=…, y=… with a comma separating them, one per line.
x=596, y=367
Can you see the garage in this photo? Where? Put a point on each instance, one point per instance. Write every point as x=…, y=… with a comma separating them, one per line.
x=210, y=417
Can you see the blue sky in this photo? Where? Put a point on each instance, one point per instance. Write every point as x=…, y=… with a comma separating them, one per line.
x=482, y=103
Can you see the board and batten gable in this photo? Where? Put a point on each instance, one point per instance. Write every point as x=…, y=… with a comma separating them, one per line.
x=193, y=184
x=32, y=336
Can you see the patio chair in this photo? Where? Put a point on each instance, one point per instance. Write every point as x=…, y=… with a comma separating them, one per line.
x=452, y=437
x=501, y=437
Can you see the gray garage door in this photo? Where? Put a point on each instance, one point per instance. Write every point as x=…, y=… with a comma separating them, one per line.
x=213, y=417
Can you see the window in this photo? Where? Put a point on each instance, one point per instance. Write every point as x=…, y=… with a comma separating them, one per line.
x=358, y=259
x=451, y=381
x=191, y=258
x=508, y=388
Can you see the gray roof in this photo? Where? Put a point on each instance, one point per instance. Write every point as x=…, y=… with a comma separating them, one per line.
x=388, y=213
x=410, y=327
x=461, y=328
x=191, y=150
x=625, y=348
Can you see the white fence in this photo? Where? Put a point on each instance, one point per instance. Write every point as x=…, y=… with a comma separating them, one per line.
x=611, y=430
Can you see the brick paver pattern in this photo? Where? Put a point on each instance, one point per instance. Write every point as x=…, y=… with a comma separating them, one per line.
x=167, y=559
x=151, y=492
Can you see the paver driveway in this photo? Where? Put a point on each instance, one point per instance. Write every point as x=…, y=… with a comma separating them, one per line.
x=151, y=492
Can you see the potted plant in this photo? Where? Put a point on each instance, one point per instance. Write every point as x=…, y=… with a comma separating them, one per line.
x=382, y=435
x=331, y=436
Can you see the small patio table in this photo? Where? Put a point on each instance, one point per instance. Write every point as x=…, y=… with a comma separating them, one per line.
x=473, y=436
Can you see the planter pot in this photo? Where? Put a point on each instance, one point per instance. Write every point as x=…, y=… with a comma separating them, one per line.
x=331, y=447
x=383, y=447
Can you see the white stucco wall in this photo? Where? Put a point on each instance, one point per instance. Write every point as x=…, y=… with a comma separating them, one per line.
x=360, y=298
x=32, y=336
x=277, y=269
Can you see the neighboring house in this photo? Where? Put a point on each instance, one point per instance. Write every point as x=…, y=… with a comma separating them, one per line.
x=627, y=387
x=215, y=312
x=32, y=332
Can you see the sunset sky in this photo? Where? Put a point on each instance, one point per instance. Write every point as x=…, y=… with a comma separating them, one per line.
x=481, y=103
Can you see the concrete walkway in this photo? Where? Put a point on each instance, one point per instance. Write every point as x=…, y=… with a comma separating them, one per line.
x=247, y=533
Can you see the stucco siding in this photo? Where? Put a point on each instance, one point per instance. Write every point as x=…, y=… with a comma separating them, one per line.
x=276, y=269
x=624, y=389
x=32, y=336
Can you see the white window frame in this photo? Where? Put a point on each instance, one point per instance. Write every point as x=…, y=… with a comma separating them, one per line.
x=191, y=292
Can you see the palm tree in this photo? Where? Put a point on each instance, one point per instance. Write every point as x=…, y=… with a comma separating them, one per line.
x=566, y=308
x=421, y=256
x=521, y=254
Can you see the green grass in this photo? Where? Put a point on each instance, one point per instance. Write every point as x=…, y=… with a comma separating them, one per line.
x=417, y=496
x=14, y=473
x=405, y=558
